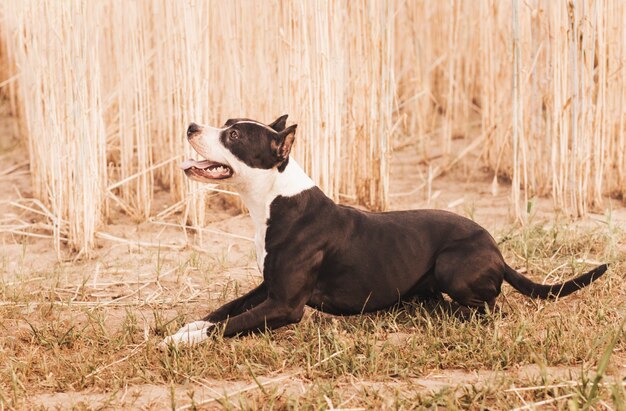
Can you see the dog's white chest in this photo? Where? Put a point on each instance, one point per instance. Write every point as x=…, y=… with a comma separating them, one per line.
x=259, y=242
x=262, y=194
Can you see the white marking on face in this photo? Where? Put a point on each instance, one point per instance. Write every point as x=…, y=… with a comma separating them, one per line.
x=207, y=144
x=256, y=187
x=257, y=123
x=189, y=335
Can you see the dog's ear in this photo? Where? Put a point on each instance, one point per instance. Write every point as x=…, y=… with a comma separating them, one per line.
x=281, y=144
x=280, y=123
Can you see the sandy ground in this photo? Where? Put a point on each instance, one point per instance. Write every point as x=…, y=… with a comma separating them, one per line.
x=150, y=396
x=136, y=269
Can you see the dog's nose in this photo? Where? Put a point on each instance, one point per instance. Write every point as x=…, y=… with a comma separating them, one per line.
x=192, y=129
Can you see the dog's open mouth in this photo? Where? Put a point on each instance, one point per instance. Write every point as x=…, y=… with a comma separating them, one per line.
x=206, y=169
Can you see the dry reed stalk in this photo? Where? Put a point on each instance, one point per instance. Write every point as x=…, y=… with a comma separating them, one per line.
x=413, y=81
x=493, y=70
x=370, y=101
x=181, y=90
x=150, y=67
x=60, y=93
x=517, y=102
x=5, y=67
x=614, y=118
x=9, y=74
x=299, y=65
x=563, y=134
x=315, y=50
x=157, y=65
x=128, y=72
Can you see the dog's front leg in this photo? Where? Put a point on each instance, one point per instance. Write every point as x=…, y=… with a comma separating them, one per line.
x=284, y=295
x=196, y=331
x=288, y=293
x=239, y=305
x=270, y=314
x=283, y=304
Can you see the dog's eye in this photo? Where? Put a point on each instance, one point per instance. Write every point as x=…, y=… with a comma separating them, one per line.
x=234, y=134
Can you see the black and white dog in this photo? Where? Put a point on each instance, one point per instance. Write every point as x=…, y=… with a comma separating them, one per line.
x=334, y=258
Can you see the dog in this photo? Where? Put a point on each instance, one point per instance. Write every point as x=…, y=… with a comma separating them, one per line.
x=334, y=258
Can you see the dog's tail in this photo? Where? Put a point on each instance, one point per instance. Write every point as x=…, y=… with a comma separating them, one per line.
x=534, y=290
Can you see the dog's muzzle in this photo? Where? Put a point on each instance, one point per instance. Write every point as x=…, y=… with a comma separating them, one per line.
x=206, y=169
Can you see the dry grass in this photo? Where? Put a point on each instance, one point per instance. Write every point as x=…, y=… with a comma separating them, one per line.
x=539, y=95
x=92, y=335
x=83, y=334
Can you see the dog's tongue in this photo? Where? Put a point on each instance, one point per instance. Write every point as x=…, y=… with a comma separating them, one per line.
x=194, y=163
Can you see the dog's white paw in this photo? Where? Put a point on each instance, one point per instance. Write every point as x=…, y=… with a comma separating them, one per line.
x=194, y=326
x=189, y=335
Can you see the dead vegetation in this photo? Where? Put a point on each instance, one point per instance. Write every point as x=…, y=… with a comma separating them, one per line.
x=85, y=335
x=82, y=334
x=101, y=108
x=105, y=90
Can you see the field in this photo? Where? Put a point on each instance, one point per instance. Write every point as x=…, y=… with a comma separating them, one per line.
x=83, y=334
x=510, y=113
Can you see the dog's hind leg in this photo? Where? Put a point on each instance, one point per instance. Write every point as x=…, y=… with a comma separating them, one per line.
x=472, y=279
x=425, y=290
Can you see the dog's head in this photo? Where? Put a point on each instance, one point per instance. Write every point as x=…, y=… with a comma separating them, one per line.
x=242, y=151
